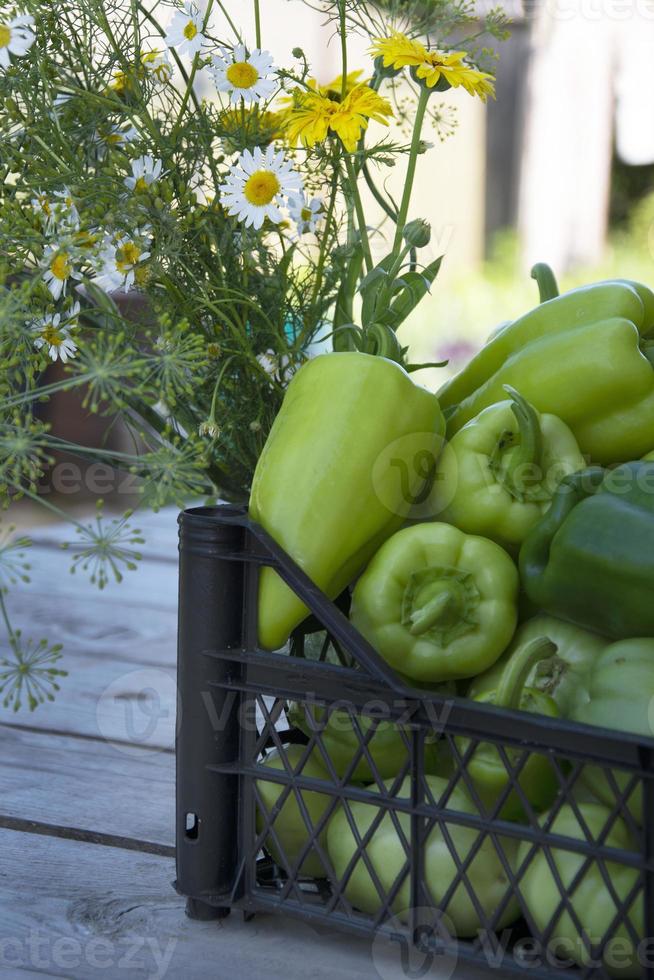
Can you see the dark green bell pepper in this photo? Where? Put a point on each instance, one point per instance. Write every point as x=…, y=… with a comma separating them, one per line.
x=590, y=559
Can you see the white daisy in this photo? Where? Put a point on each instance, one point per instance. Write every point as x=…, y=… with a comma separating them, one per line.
x=145, y=171
x=58, y=268
x=16, y=37
x=114, y=136
x=45, y=210
x=185, y=30
x=306, y=214
x=243, y=75
x=119, y=264
x=66, y=213
x=50, y=332
x=257, y=185
x=156, y=65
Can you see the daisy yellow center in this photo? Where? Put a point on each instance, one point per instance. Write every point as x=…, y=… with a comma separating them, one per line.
x=190, y=31
x=59, y=267
x=306, y=214
x=45, y=206
x=51, y=335
x=129, y=255
x=261, y=187
x=5, y=36
x=242, y=74
x=141, y=184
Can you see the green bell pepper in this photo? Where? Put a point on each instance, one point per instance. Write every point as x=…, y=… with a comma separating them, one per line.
x=485, y=766
x=621, y=697
x=565, y=677
x=351, y=451
x=591, y=899
x=590, y=559
x=497, y=475
x=388, y=746
x=485, y=873
x=437, y=604
x=581, y=356
x=289, y=824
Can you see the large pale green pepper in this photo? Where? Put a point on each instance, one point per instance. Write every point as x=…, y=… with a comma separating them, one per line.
x=621, y=697
x=581, y=356
x=351, y=451
x=591, y=899
x=290, y=826
x=486, y=874
x=486, y=767
x=388, y=746
x=565, y=676
x=498, y=473
x=436, y=603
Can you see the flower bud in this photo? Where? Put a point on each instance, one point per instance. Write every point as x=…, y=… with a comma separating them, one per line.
x=417, y=233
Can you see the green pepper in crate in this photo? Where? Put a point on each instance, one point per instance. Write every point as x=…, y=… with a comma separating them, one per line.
x=497, y=475
x=486, y=875
x=353, y=448
x=565, y=677
x=436, y=603
x=486, y=768
x=388, y=747
x=591, y=558
x=581, y=356
x=289, y=825
x=594, y=904
x=621, y=697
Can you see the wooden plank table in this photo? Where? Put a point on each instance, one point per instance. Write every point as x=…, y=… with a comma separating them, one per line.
x=87, y=801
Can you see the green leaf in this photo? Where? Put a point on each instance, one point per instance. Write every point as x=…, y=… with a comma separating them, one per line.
x=413, y=286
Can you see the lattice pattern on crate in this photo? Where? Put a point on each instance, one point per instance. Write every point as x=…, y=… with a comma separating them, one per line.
x=418, y=840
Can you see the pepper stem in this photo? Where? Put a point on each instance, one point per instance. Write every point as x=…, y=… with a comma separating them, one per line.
x=518, y=466
x=441, y=607
x=514, y=678
x=547, y=284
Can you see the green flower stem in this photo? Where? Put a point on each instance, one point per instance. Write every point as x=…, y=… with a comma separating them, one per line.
x=194, y=70
x=257, y=23
x=322, y=256
x=342, y=30
x=411, y=168
x=358, y=207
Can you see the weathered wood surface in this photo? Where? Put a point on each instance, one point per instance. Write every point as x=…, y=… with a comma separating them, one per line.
x=87, y=802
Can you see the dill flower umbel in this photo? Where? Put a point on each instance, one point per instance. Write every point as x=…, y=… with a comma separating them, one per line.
x=314, y=115
x=258, y=185
x=398, y=51
x=185, y=31
x=16, y=37
x=242, y=75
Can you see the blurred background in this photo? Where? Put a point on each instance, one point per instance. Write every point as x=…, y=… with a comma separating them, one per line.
x=559, y=168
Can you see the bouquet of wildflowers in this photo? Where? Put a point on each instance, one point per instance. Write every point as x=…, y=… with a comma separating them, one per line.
x=151, y=149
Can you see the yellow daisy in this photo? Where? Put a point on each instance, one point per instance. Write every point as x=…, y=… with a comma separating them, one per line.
x=314, y=115
x=334, y=89
x=398, y=51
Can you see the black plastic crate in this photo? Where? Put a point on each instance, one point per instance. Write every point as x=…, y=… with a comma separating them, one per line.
x=235, y=706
